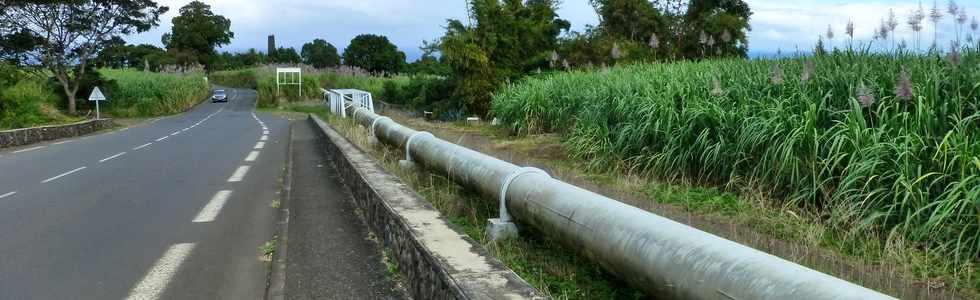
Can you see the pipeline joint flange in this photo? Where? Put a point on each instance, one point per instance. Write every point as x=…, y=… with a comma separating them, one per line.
x=373, y=139
x=503, y=227
x=353, y=116
x=499, y=230
x=407, y=163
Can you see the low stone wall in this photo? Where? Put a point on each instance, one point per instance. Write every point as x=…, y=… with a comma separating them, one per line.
x=27, y=136
x=436, y=260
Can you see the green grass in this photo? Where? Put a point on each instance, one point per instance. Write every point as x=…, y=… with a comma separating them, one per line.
x=30, y=103
x=896, y=172
x=268, y=249
x=145, y=94
x=698, y=199
x=27, y=100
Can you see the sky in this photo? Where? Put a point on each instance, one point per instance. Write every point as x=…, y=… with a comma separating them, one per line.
x=777, y=25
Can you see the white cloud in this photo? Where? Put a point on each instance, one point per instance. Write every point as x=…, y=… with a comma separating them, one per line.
x=295, y=22
x=776, y=24
x=801, y=22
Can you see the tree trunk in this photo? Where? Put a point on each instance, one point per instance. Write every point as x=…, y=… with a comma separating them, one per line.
x=71, y=103
x=69, y=92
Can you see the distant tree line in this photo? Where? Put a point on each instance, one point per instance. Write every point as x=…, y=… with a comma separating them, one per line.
x=501, y=41
x=372, y=53
x=505, y=40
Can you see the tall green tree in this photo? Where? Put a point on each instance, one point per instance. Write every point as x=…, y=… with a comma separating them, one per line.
x=430, y=62
x=67, y=34
x=509, y=39
x=252, y=57
x=725, y=22
x=645, y=30
x=15, y=46
x=146, y=57
x=635, y=20
x=320, y=54
x=285, y=55
x=374, y=53
x=114, y=54
x=197, y=31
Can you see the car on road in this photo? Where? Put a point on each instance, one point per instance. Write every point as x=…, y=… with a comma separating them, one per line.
x=219, y=96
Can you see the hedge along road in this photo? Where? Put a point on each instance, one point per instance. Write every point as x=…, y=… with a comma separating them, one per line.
x=145, y=213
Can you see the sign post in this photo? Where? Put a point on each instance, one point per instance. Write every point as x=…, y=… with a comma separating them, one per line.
x=289, y=76
x=97, y=96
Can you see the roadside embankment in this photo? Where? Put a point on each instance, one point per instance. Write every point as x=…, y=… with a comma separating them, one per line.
x=27, y=136
x=436, y=260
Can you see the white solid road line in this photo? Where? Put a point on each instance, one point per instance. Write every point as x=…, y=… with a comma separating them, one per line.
x=163, y=138
x=175, y=133
x=62, y=175
x=265, y=132
x=111, y=157
x=143, y=146
x=28, y=149
x=264, y=138
x=211, y=210
x=62, y=142
x=8, y=194
x=259, y=145
x=239, y=174
x=252, y=156
x=158, y=277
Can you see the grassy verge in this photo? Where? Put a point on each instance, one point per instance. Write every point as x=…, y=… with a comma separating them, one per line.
x=137, y=94
x=29, y=99
x=26, y=100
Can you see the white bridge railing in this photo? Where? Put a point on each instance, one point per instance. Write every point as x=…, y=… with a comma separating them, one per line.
x=338, y=100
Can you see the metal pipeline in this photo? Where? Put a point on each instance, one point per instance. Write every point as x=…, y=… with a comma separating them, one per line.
x=666, y=258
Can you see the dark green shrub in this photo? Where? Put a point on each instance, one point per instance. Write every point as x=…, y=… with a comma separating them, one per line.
x=237, y=79
x=27, y=103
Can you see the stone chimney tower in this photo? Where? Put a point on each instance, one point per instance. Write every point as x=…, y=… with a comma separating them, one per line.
x=272, y=44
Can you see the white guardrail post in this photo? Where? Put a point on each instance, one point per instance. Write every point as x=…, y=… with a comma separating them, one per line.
x=666, y=258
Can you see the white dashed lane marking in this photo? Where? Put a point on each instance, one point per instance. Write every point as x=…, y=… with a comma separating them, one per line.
x=158, y=277
x=143, y=146
x=8, y=194
x=213, y=208
x=239, y=174
x=264, y=138
x=28, y=149
x=252, y=156
x=259, y=145
x=62, y=175
x=112, y=157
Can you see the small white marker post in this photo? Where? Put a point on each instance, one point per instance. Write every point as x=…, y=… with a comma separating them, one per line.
x=97, y=96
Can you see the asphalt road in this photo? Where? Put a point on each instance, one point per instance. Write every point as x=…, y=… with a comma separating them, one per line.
x=173, y=209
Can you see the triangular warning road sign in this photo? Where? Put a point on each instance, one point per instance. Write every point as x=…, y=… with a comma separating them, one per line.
x=96, y=95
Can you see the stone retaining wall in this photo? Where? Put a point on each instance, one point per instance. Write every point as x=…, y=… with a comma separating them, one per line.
x=27, y=136
x=436, y=260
